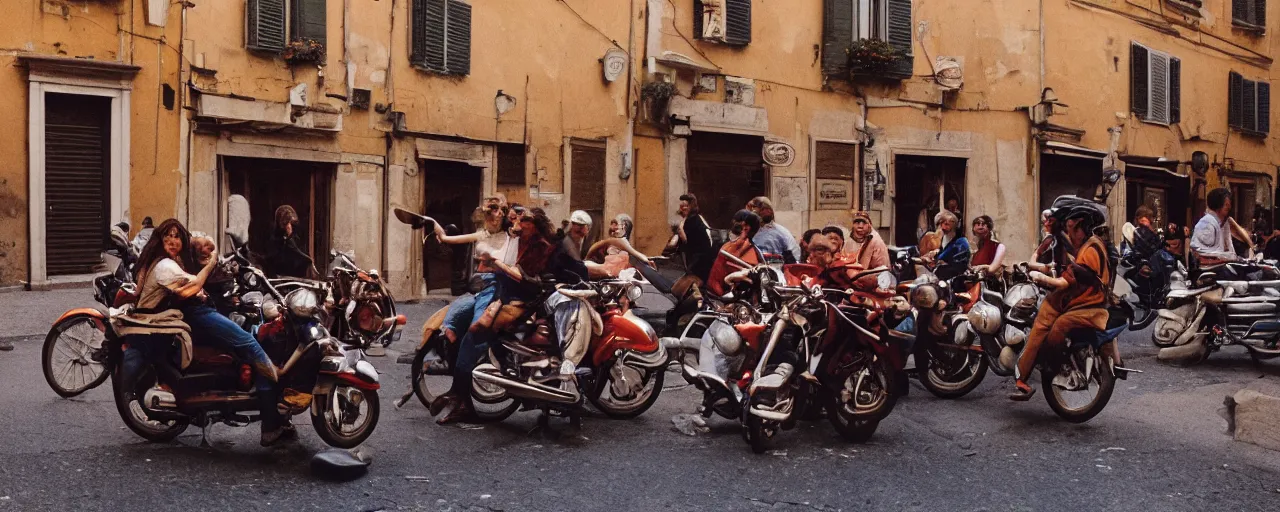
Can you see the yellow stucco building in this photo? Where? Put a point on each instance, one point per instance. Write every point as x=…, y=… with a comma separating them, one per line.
x=346, y=109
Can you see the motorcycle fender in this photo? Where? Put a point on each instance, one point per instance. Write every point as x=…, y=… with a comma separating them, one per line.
x=623, y=332
x=751, y=334
x=433, y=326
x=349, y=378
x=100, y=316
x=1192, y=327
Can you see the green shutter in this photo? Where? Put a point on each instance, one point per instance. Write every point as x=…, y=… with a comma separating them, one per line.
x=900, y=29
x=264, y=25
x=457, y=55
x=837, y=36
x=309, y=21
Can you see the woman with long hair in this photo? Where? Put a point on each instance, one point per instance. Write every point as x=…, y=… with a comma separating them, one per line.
x=165, y=284
x=285, y=257
x=534, y=250
x=692, y=238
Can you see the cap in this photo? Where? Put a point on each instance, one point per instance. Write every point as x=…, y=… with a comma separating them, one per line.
x=862, y=215
x=580, y=217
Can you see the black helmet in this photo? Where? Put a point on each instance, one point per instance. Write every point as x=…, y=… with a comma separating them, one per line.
x=1073, y=207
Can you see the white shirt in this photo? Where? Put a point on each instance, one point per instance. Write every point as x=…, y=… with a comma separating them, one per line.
x=1211, y=238
x=499, y=244
x=165, y=276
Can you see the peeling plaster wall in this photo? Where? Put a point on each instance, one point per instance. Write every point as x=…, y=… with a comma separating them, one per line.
x=97, y=30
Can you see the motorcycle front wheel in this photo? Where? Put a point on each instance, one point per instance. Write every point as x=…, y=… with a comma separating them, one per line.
x=75, y=355
x=346, y=416
x=1081, y=405
x=758, y=432
x=953, y=372
x=612, y=406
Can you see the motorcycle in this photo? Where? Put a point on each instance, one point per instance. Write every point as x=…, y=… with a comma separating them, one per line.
x=368, y=309
x=341, y=385
x=1150, y=280
x=74, y=358
x=1218, y=313
x=822, y=350
x=621, y=373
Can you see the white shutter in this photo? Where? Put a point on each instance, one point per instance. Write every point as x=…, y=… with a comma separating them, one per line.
x=1158, y=92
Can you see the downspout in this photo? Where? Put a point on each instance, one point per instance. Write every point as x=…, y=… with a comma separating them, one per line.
x=184, y=126
x=628, y=158
x=1036, y=158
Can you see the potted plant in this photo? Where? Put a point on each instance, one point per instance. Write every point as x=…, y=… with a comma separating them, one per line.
x=303, y=50
x=657, y=95
x=872, y=57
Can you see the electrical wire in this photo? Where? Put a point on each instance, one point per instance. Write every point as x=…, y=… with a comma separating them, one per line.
x=597, y=29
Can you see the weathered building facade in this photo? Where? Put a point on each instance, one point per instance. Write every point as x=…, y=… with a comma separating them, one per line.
x=346, y=109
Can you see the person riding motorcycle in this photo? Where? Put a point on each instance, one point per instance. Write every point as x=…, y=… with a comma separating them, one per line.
x=1079, y=297
x=1211, y=240
x=868, y=249
x=166, y=286
x=952, y=259
x=745, y=226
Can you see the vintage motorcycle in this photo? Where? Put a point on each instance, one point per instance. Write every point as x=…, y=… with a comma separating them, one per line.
x=1216, y=313
x=825, y=348
x=1150, y=280
x=74, y=358
x=621, y=373
x=342, y=387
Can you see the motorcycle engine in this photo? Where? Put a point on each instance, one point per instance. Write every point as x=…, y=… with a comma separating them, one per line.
x=627, y=382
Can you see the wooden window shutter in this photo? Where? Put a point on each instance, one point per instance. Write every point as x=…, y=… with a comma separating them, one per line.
x=737, y=18
x=837, y=36
x=457, y=53
x=1235, y=100
x=835, y=160
x=1250, y=105
x=309, y=20
x=900, y=29
x=264, y=30
x=1260, y=13
x=1158, y=76
x=511, y=168
x=1240, y=10
x=1264, y=107
x=697, y=19
x=428, y=35
x=1175, y=90
x=1138, y=80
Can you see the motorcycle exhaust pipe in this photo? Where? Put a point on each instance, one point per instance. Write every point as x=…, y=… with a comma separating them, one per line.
x=159, y=399
x=651, y=360
x=487, y=373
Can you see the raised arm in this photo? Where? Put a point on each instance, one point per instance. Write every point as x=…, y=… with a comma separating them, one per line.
x=467, y=238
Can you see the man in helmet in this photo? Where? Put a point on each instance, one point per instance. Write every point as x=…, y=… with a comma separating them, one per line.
x=1078, y=298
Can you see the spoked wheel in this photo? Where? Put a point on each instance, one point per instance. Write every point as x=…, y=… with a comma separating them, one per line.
x=607, y=397
x=346, y=416
x=129, y=405
x=866, y=397
x=490, y=403
x=75, y=355
x=427, y=387
x=1075, y=398
x=953, y=372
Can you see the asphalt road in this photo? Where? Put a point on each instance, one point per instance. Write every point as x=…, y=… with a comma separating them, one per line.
x=1160, y=445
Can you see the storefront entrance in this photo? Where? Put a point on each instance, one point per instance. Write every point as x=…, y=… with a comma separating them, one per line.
x=1162, y=190
x=1062, y=175
x=452, y=196
x=924, y=185
x=725, y=171
x=269, y=184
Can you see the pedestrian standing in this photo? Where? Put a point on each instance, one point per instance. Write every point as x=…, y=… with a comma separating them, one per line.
x=773, y=238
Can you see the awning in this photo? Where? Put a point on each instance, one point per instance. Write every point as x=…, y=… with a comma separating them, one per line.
x=1053, y=147
x=1161, y=170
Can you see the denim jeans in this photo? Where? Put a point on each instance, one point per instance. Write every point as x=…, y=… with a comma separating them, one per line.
x=474, y=344
x=142, y=349
x=210, y=328
x=463, y=311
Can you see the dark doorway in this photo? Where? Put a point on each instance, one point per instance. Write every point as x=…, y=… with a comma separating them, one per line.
x=587, y=184
x=269, y=184
x=77, y=173
x=918, y=182
x=1163, y=191
x=1067, y=175
x=725, y=171
x=452, y=195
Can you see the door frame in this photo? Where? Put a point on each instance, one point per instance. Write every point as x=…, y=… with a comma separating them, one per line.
x=894, y=153
x=40, y=85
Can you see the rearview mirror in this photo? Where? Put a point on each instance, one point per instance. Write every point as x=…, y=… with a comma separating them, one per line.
x=238, y=220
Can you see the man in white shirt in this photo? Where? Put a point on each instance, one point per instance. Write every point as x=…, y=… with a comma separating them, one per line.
x=1211, y=240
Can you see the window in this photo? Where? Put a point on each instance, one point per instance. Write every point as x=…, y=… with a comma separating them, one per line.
x=511, y=170
x=441, y=36
x=846, y=21
x=835, y=160
x=1248, y=105
x=1155, y=93
x=1249, y=14
x=267, y=31
x=725, y=21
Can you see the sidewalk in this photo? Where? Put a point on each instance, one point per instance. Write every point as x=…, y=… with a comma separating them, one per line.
x=30, y=314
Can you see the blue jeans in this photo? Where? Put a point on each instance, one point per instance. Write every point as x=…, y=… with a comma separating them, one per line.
x=142, y=348
x=474, y=343
x=211, y=329
x=463, y=311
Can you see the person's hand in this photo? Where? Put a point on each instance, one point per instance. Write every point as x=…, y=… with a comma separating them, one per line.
x=288, y=229
x=485, y=257
x=1037, y=277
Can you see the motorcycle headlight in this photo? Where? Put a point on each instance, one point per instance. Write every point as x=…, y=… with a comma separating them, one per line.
x=886, y=281
x=984, y=318
x=634, y=292
x=302, y=303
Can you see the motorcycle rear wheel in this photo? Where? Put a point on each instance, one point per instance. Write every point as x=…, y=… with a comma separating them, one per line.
x=958, y=383
x=1105, y=380
x=74, y=355
x=136, y=418
x=628, y=409
x=329, y=423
